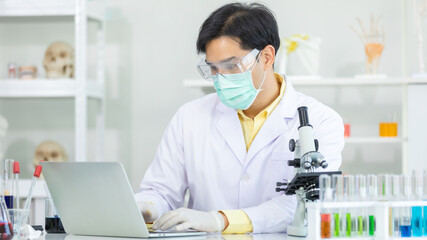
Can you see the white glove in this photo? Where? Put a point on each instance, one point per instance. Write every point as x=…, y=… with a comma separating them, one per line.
x=185, y=218
x=149, y=211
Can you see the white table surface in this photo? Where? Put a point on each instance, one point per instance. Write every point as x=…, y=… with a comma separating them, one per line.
x=272, y=236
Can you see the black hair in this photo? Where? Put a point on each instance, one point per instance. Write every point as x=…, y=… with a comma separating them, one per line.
x=252, y=25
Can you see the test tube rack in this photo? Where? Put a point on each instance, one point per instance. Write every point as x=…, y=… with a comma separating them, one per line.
x=380, y=209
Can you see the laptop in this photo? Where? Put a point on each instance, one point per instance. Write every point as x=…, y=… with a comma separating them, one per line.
x=96, y=199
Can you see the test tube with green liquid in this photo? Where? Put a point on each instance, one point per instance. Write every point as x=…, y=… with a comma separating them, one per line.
x=372, y=196
x=384, y=194
x=338, y=219
x=361, y=195
x=350, y=216
x=384, y=187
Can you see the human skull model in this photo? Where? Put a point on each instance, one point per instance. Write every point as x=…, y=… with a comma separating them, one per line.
x=59, y=60
x=50, y=151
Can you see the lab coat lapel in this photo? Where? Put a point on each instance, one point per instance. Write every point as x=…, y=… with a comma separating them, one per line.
x=231, y=130
x=276, y=124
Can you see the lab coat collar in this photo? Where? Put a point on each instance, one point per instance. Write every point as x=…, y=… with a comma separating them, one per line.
x=231, y=130
x=276, y=123
x=289, y=102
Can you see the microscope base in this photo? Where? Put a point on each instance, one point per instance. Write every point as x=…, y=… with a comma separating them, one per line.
x=297, y=231
x=298, y=227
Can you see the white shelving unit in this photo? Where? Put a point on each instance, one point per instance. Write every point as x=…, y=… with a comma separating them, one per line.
x=362, y=140
x=298, y=81
x=52, y=8
x=402, y=82
x=47, y=88
x=79, y=89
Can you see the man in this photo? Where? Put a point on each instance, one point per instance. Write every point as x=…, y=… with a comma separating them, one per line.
x=230, y=148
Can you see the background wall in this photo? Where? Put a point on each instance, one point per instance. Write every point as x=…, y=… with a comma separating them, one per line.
x=150, y=50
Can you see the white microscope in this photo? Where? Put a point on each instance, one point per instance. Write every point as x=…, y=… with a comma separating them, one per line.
x=305, y=184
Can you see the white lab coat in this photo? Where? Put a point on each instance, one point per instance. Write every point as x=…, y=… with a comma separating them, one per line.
x=203, y=150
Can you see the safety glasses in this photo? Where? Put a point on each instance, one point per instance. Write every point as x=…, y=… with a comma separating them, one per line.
x=233, y=65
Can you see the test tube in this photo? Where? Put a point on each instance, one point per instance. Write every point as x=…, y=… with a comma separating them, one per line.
x=16, y=171
x=373, y=196
x=405, y=218
x=384, y=194
x=361, y=192
x=417, y=211
x=325, y=196
x=8, y=183
x=384, y=187
x=338, y=186
x=350, y=220
x=396, y=195
x=425, y=199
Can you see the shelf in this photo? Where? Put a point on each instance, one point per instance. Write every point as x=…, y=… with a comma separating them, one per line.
x=357, y=81
x=28, y=8
x=311, y=81
x=47, y=88
x=374, y=140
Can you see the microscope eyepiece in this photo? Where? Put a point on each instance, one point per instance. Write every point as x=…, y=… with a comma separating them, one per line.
x=303, y=116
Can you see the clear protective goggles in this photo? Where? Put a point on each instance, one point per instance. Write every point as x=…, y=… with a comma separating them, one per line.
x=232, y=65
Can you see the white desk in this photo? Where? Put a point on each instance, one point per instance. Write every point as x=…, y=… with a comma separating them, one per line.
x=272, y=236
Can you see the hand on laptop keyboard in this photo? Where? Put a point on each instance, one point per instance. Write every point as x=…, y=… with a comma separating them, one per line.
x=185, y=218
x=149, y=211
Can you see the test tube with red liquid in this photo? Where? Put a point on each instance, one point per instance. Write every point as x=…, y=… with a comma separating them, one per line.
x=325, y=196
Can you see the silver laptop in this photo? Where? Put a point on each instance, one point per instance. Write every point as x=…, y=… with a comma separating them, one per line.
x=96, y=198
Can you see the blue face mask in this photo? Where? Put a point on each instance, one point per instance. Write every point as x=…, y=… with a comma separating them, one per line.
x=236, y=90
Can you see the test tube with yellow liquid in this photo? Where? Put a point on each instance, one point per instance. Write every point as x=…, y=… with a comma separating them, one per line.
x=388, y=127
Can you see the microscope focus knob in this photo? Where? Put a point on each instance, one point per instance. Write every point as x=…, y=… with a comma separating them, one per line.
x=306, y=165
x=292, y=145
x=316, y=144
x=294, y=163
x=324, y=164
x=279, y=184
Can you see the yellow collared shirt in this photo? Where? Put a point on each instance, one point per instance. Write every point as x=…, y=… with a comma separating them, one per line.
x=238, y=221
x=251, y=127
